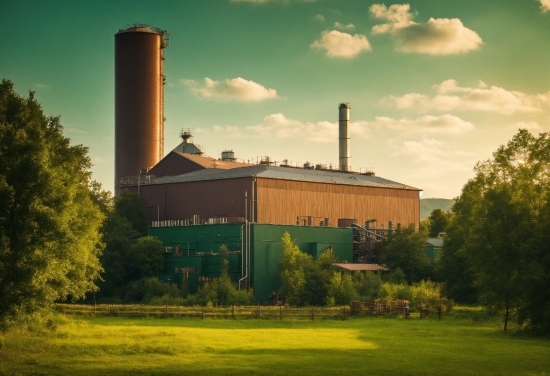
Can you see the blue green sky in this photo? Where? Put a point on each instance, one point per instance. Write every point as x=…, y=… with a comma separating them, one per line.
x=434, y=85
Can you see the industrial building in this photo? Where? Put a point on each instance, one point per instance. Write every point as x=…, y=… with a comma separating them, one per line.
x=196, y=203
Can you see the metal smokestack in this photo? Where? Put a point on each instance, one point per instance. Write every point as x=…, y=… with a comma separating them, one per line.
x=343, y=136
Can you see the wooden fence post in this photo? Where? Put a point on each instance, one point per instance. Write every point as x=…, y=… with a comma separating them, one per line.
x=344, y=312
x=233, y=312
x=260, y=311
x=203, y=312
x=166, y=310
x=280, y=312
x=312, y=313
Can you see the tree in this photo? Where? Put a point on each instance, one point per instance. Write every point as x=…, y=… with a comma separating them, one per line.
x=500, y=228
x=438, y=222
x=293, y=275
x=145, y=257
x=49, y=213
x=117, y=232
x=127, y=205
x=404, y=249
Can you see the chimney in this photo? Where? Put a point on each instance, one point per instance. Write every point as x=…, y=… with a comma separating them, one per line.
x=343, y=136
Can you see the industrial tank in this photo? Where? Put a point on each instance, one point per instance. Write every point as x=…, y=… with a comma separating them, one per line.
x=139, y=99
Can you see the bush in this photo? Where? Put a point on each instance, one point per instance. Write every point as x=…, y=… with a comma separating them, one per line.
x=147, y=289
x=367, y=285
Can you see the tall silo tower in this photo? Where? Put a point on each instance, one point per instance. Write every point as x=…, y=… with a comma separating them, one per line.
x=343, y=136
x=139, y=99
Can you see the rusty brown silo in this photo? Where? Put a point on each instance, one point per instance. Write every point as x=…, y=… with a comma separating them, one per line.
x=139, y=99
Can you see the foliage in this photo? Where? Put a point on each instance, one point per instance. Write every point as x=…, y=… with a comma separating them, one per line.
x=151, y=290
x=221, y=291
x=49, y=210
x=438, y=220
x=129, y=206
x=117, y=232
x=367, y=285
x=341, y=288
x=293, y=275
x=145, y=257
x=404, y=249
x=421, y=295
x=125, y=219
x=500, y=230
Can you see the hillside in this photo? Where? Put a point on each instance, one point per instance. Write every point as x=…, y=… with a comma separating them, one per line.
x=428, y=205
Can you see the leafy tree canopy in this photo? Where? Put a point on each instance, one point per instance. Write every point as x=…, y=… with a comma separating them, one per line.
x=50, y=212
x=500, y=229
x=404, y=249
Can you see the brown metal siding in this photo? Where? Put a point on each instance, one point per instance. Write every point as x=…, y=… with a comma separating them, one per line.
x=138, y=102
x=208, y=199
x=281, y=201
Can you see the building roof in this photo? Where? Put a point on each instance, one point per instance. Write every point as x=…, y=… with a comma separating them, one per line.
x=362, y=267
x=435, y=242
x=209, y=162
x=221, y=170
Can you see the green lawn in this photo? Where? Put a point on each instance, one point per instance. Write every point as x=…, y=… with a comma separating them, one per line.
x=463, y=343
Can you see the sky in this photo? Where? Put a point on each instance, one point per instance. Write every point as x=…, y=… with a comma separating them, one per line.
x=434, y=85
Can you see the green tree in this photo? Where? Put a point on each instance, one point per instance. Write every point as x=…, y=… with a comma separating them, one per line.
x=117, y=232
x=438, y=222
x=499, y=229
x=404, y=249
x=293, y=265
x=145, y=257
x=129, y=206
x=341, y=288
x=49, y=213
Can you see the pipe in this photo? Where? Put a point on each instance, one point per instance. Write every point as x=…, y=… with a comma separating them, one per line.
x=245, y=253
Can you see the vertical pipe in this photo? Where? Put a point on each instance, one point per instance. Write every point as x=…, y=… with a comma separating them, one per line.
x=343, y=136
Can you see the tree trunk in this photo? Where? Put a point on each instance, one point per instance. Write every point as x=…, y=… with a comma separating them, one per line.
x=506, y=318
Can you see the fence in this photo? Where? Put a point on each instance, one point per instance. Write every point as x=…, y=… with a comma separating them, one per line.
x=230, y=312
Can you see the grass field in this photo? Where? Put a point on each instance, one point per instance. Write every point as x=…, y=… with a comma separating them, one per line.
x=463, y=343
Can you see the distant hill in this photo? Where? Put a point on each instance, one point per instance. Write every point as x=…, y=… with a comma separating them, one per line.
x=427, y=205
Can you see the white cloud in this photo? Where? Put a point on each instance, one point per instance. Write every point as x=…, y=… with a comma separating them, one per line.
x=444, y=124
x=544, y=6
x=432, y=157
x=237, y=89
x=450, y=96
x=338, y=25
x=319, y=17
x=531, y=126
x=438, y=36
x=281, y=127
x=74, y=130
x=342, y=45
x=41, y=86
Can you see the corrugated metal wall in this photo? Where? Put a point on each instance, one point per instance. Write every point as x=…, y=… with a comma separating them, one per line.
x=267, y=250
x=208, y=199
x=281, y=201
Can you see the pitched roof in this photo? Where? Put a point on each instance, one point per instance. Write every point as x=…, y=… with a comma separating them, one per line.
x=209, y=162
x=362, y=267
x=436, y=242
x=282, y=173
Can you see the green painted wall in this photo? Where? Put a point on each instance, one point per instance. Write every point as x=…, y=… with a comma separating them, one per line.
x=202, y=242
x=266, y=249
